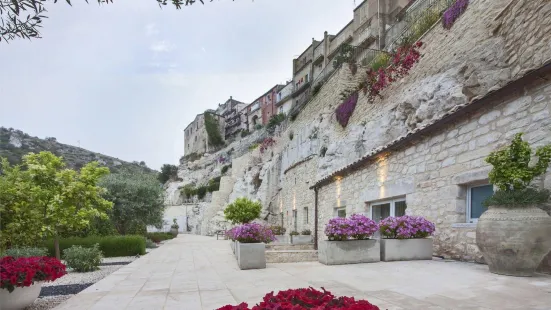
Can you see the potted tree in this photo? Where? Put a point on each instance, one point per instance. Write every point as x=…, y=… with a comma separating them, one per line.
x=22, y=279
x=406, y=238
x=514, y=233
x=174, y=228
x=348, y=241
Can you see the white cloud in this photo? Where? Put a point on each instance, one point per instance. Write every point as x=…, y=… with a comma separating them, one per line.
x=161, y=46
x=151, y=29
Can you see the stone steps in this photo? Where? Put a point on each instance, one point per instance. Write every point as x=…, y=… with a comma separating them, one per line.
x=291, y=256
x=288, y=247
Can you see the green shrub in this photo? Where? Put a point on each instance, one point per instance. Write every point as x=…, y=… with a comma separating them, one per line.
x=294, y=233
x=244, y=133
x=202, y=192
x=522, y=197
x=189, y=190
x=278, y=230
x=306, y=232
x=149, y=244
x=191, y=157
x=111, y=246
x=225, y=169
x=422, y=24
x=159, y=236
x=253, y=146
x=274, y=121
x=83, y=259
x=258, y=127
x=25, y=252
x=213, y=130
x=213, y=187
x=380, y=61
x=242, y=210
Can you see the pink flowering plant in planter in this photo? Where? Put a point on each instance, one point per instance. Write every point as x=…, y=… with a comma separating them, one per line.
x=230, y=233
x=406, y=227
x=253, y=233
x=356, y=227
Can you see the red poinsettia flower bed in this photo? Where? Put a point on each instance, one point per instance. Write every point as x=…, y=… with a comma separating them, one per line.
x=25, y=271
x=305, y=298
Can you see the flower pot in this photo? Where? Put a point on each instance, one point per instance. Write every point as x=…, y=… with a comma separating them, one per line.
x=349, y=252
x=514, y=240
x=20, y=298
x=282, y=239
x=174, y=232
x=301, y=239
x=406, y=249
x=251, y=255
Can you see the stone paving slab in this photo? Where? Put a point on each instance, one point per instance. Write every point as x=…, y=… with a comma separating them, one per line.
x=201, y=273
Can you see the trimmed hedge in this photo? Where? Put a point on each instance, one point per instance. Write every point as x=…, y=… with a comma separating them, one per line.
x=111, y=246
x=159, y=236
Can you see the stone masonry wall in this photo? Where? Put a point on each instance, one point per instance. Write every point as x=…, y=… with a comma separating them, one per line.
x=433, y=174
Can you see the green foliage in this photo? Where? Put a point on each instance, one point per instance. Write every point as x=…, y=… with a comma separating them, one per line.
x=242, y=211
x=306, y=232
x=380, y=61
x=213, y=130
x=25, y=252
x=111, y=246
x=149, y=244
x=137, y=199
x=226, y=168
x=293, y=117
x=174, y=224
x=522, y=197
x=253, y=146
x=244, y=133
x=168, y=172
x=511, y=166
x=278, y=230
x=345, y=55
x=83, y=259
x=258, y=126
x=202, y=191
x=191, y=157
x=214, y=185
x=41, y=199
x=421, y=25
x=274, y=121
x=189, y=190
x=159, y=236
x=294, y=233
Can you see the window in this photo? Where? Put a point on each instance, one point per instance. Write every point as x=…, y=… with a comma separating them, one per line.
x=295, y=218
x=383, y=209
x=306, y=78
x=475, y=196
x=340, y=212
x=305, y=215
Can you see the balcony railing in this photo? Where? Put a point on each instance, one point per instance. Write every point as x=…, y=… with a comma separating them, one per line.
x=417, y=19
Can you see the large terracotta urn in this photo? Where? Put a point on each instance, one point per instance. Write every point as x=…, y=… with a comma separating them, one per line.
x=20, y=298
x=514, y=240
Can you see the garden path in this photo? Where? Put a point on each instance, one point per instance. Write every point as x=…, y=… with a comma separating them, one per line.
x=200, y=273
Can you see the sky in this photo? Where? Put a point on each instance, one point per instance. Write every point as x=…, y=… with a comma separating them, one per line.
x=125, y=79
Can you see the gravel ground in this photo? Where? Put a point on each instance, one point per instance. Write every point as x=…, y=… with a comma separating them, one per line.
x=48, y=302
x=84, y=277
x=69, y=289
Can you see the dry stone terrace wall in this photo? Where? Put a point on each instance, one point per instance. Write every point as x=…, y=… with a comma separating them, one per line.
x=434, y=173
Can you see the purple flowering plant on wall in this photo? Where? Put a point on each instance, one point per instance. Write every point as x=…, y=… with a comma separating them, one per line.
x=453, y=13
x=406, y=227
x=356, y=227
x=251, y=233
x=345, y=109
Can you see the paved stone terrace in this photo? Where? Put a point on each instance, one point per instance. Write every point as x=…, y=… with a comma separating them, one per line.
x=200, y=273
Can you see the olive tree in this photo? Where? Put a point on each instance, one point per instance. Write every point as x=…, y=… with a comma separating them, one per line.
x=137, y=199
x=242, y=211
x=42, y=199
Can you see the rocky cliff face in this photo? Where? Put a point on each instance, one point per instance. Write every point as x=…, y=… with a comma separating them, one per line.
x=15, y=143
x=492, y=44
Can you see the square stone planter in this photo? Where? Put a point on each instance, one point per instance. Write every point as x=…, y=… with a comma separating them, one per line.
x=232, y=244
x=406, y=249
x=282, y=239
x=300, y=239
x=349, y=252
x=251, y=255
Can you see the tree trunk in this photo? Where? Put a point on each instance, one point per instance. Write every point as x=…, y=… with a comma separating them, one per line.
x=56, y=247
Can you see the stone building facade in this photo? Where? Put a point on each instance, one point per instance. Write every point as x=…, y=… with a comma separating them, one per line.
x=235, y=117
x=440, y=172
x=195, y=134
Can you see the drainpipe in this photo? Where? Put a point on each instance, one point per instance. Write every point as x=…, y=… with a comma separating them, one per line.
x=316, y=218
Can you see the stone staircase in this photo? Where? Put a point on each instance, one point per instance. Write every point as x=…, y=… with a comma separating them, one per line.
x=219, y=200
x=290, y=253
